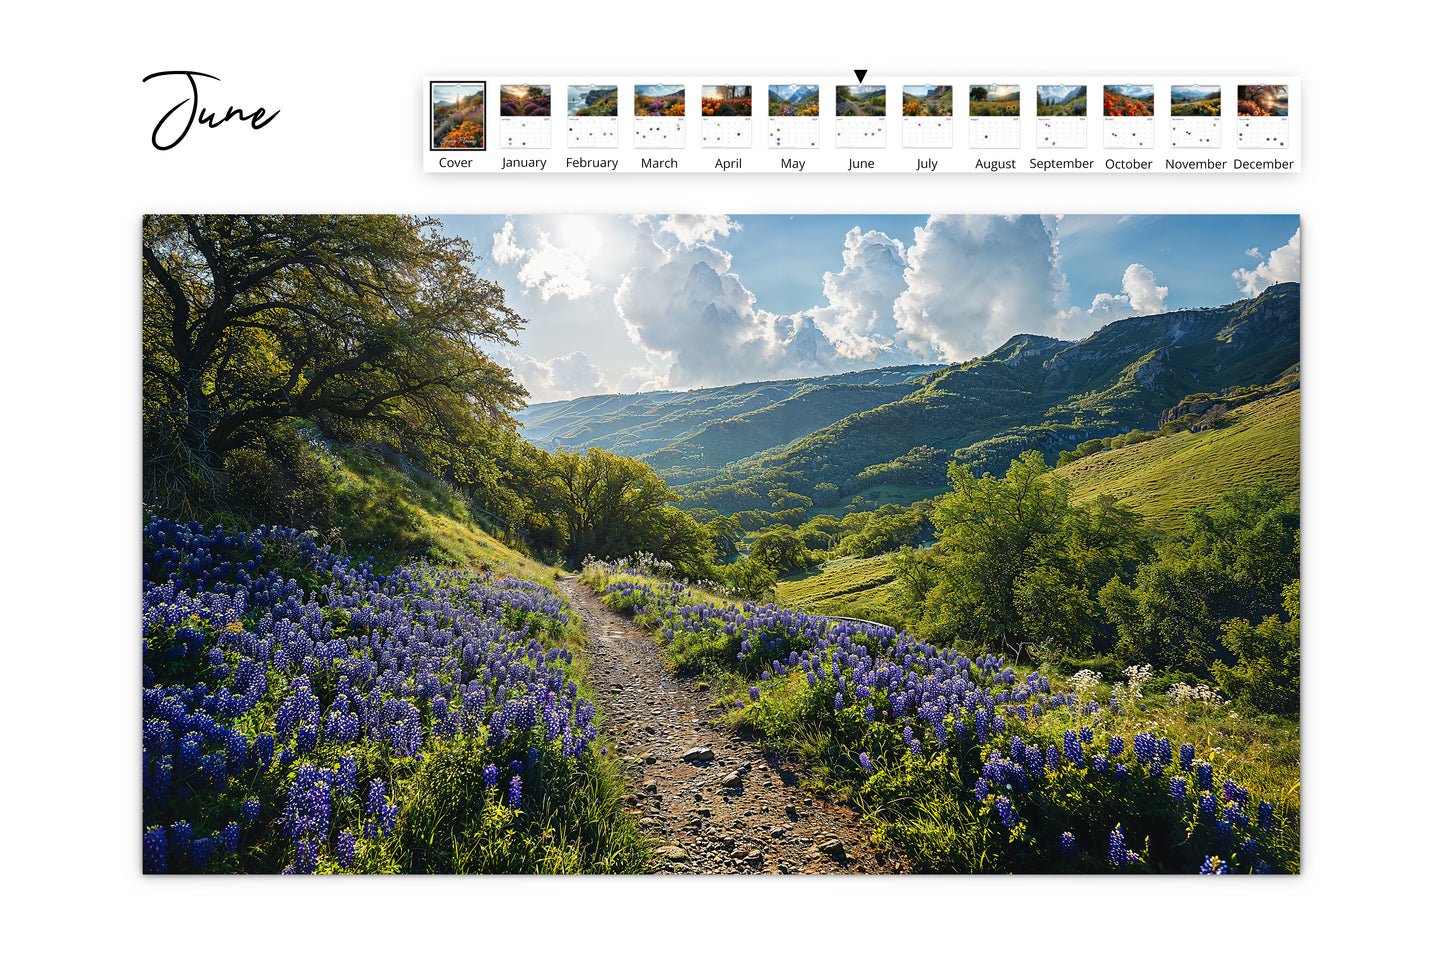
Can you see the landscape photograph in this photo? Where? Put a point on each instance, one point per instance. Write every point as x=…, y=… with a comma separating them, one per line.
x=658, y=100
x=700, y=544
x=727, y=100
x=793, y=100
x=1263, y=100
x=1062, y=100
x=458, y=116
x=861, y=100
x=525, y=100
x=993, y=100
x=928, y=100
x=1129, y=100
x=591, y=100
x=1194, y=100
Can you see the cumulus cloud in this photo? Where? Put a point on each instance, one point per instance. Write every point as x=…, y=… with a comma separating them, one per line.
x=544, y=266
x=1140, y=294
x=693, y=229
x=700, y=325
x=858, y=316
x=1283, y=264
x=570, y=376
x=973, y=281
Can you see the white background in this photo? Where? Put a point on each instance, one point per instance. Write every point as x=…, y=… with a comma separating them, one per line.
x=345, y=77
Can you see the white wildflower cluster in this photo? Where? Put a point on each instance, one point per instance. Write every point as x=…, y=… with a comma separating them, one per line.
x=1133, y=687
x=1084, y=680
x=1181, y=692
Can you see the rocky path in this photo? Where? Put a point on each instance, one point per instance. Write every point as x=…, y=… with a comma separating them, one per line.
x=710, y=800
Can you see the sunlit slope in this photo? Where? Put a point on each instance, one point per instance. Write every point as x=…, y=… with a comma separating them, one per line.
x=1165, y=478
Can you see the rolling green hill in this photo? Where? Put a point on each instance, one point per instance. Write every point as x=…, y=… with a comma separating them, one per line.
x=640, y=425
x=1033, y=393
x=1163, y=480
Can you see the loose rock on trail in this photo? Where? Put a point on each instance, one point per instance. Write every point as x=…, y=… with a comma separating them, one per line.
x=709, y=800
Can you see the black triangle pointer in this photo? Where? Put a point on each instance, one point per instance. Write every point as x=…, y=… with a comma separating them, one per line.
x=860, y=74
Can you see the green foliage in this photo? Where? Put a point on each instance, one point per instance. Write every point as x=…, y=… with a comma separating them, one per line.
x=373, y=323
x=1266, y=672
x=1232, y=562
x=569, y=823
x=750, y=579
x=884, y=530
x=1016, y=562
x=779, y=549
x=608, y=506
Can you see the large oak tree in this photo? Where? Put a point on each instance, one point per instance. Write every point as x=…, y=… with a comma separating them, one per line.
x=372, y=322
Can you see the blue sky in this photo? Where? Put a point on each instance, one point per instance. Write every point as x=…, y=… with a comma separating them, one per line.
x=619, y=303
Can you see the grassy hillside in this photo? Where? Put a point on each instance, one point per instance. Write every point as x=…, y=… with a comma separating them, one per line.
x=396, y=513
x=1165, y=478
x=639, y=425
x=837, y=579
x=778, y=424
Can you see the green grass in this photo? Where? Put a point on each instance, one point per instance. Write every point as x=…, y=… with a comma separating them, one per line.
x=839, y=577
x=1166, y=478
x=397, y=515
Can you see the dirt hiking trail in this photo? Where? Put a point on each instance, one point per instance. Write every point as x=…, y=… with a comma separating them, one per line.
x=709, y=801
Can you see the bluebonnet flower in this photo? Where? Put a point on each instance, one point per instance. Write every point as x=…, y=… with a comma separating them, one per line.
x=1144, y=748
x=490, y=776
x=1214, y=866
x=1116, y=745
x=1073, y=752
x=153, y=850
x=1119, y=854
x=514, y=793
x=203, y=850
x=753, y=694
x=1006, y=812
x=250, y=809
x=1266, y=816
x=1176, y=787
x=1186, y=755
x=1086, y=734
x=1100, y=762
x=306, y=857
x=865, y=762
x=230, y=836
x=1204, y=776
x=345, y=848
x=180, y=837
x=1068, y=845
x=980, y=789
